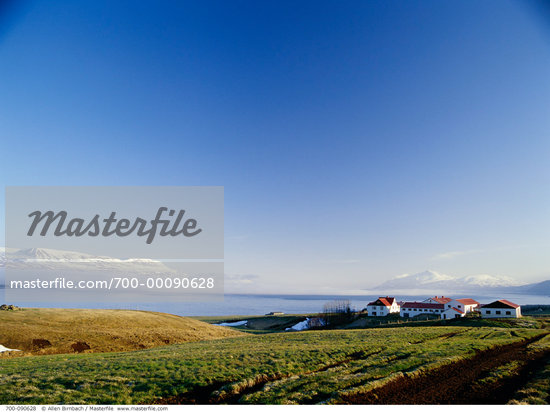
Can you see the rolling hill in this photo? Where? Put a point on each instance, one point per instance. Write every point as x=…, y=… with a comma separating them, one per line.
x=51, y=331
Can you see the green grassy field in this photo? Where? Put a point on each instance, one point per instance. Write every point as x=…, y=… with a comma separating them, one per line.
x=301, y=367
x=417, y=321
x=536, y=391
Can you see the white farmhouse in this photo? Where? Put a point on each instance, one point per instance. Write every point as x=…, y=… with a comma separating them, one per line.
x=383, y=306
x=501, y=309
x=461, y=306
x=464, y=305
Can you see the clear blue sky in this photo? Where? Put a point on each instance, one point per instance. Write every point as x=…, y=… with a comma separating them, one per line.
x=356, y=140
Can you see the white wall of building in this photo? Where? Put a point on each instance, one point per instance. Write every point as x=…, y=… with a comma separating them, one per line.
x=459, y=305
x=500, y=312
x=411, y=312
x=394, y=307
x=450, y=313
x=382, y=310
x=378, y=311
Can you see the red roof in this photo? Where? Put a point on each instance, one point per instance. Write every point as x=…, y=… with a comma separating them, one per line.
x=422, y=305
x=507, y=302
x=387, y=301
x=502, y=303
x=456, y=310
x=468, y=301
x=441, y=299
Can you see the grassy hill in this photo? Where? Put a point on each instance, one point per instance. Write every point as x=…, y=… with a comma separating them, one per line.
x=51, y=331
x=336, y=366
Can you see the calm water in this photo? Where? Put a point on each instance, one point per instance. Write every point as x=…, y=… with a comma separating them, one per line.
x=262, y=304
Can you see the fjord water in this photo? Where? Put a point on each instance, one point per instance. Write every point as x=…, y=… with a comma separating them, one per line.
x=248, y=305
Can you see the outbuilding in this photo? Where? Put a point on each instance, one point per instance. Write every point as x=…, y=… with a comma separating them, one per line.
x=501, y=309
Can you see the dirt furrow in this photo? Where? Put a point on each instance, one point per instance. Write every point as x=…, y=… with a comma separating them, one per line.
x=458, y=383
x=230, y=392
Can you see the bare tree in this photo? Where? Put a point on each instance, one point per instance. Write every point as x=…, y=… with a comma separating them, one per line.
x=337, y=312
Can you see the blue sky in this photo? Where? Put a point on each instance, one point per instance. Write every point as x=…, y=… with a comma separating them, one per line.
x=355, y=140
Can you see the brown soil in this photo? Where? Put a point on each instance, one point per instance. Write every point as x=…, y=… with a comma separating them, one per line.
x=80, y=346
x=41, y=343
x=457, y=383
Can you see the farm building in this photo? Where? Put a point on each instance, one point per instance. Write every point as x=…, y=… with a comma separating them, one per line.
x=412, y=309
x=438, y=299
x=451, y=313
x=461, y=306
x=383, y=306
x=501, y=309
x=465, y=305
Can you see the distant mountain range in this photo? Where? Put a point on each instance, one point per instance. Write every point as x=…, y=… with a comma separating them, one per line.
x=423, y=283
x=431, y=282
x=540, y=288
x=80, y=262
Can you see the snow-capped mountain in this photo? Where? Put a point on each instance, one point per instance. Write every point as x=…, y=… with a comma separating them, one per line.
x=417, y=280
x=52, y=259
x=431, y=281
x=491, y=281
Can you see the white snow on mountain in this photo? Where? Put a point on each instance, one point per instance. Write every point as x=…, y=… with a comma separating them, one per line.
x=430, y=281
x=485, y=280
x=52, y=259
x=415, y=280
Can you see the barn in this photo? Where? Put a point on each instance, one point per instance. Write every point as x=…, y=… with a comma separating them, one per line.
x=501, y=309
